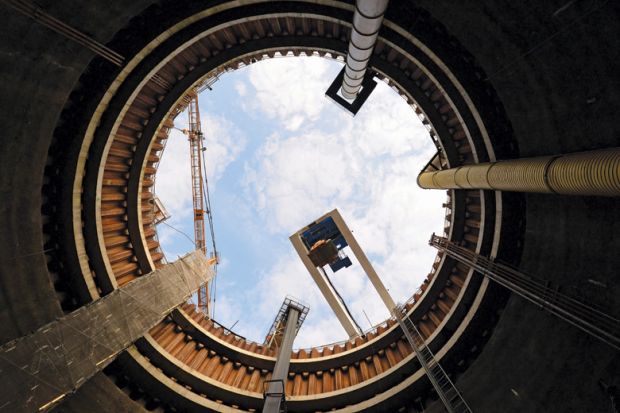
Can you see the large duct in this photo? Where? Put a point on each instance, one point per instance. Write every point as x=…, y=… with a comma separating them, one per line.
x=583, y=173
x=367, y=21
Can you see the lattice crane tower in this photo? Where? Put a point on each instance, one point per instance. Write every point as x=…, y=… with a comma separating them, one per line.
x=194, y=135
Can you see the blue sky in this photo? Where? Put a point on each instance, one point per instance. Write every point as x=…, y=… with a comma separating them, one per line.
x=280, y=154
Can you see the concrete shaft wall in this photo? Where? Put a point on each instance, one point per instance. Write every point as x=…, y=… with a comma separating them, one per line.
x=555, y=70
x=39, y=69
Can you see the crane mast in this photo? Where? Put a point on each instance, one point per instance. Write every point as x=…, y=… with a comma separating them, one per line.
x=196, y=147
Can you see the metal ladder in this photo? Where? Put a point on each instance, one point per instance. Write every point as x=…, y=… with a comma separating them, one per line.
x=447, y=391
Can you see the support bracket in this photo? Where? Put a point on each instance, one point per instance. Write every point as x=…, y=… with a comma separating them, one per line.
x=368, y=85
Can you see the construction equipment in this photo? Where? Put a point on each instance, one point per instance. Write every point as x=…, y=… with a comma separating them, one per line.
x=281, y=336
x=318, y=244
x=199, y=189
x=275, y=335
x=321, y=243
x=161, y=213
x=325, y=244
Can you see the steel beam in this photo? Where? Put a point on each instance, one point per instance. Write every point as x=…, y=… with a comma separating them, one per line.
x=363, y=260
x=275, y=393
x=328, y=291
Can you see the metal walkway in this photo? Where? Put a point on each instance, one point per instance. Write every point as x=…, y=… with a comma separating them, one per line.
x=447, y=391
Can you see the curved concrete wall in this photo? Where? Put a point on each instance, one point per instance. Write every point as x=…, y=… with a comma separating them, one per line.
x=555, y=70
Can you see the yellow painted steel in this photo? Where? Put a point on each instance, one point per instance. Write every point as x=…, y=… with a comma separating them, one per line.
x=460, y=177
x=584, y=173
x=425, y=180
x=594, y=173
x=523, y=175
x=446, y=178
x=477, y=176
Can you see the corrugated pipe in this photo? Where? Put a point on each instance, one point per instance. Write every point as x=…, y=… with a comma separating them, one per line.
x=583, y=173
x=367, y=21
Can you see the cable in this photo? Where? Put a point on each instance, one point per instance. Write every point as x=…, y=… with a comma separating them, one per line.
x=207, y=200
x=213, y=292
x=180, y=232
x=588, y=318
x=16, y=257
x=342, y=301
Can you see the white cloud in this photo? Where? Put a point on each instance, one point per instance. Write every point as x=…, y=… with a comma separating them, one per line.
x=241, y=88
x=296, y=177
x=288, y=276
x=320, y=158
x=228, y=310
x=173, y=184
x=224, y=143
x=290, y=90
x=366, y=167
x=295, y=122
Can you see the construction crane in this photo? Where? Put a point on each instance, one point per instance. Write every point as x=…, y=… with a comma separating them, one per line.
x=200, y=199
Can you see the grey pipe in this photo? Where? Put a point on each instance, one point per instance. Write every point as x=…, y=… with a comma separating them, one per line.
x=367, y=21
x=272, y=399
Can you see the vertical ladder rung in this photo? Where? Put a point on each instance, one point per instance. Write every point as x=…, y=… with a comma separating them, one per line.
x=442, y=384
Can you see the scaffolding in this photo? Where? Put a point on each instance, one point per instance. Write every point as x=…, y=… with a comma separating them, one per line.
x=40, y=369
x=276, y=331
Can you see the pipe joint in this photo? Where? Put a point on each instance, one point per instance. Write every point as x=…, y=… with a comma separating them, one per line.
x=367, y=21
